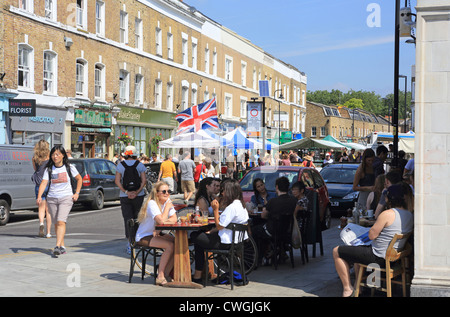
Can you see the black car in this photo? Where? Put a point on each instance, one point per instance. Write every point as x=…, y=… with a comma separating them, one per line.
x=339, y=179
x=98, y=181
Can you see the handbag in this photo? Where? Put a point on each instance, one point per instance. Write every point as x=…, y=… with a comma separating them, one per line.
x=296, y=235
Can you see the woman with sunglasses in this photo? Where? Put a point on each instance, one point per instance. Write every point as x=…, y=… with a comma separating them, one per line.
x=158, y=209
x=220, y=237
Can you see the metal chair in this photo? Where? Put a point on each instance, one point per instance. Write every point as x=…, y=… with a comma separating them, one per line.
x=396, y=264
x=282, y=239
x=137, y=250
x=236, y=251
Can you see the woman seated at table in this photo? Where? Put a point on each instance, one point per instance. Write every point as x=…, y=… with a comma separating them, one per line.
x=396, y=220
x=158, y=209
x=261, y=195
x=208, y=190
x=220, y=237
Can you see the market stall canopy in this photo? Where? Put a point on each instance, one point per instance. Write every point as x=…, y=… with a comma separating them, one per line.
x=351, y=145
x=308, y=143
x=198, y=139
x=237, y=139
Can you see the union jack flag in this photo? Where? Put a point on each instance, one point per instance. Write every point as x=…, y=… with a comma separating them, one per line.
x=195, y=118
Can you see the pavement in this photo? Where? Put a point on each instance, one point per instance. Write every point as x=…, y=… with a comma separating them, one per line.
x=100, y=268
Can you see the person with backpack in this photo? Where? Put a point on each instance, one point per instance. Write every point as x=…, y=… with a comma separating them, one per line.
x=64, y=189
x=131, y=180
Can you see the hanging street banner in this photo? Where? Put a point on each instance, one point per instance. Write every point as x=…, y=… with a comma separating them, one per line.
x=254, y=119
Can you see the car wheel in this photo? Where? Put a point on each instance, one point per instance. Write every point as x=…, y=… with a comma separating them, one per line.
x=99, y=200
x=4, y=212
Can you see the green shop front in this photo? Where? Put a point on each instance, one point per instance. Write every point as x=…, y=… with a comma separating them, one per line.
x=91, y=131
x=143, y=126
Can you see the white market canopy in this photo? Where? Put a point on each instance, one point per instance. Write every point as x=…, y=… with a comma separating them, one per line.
x=198, y=139
x=308, y=143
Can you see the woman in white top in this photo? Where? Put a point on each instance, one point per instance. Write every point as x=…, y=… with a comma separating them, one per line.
x=158, y=209
x=220, y=237
x=61, y=194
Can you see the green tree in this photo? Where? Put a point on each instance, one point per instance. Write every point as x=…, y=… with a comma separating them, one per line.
x=354, y=103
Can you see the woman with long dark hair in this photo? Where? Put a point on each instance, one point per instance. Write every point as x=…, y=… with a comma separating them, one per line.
x=206, y=193
x=365, y=177
x=261, y=195
x=219, y=237
x=61, y=194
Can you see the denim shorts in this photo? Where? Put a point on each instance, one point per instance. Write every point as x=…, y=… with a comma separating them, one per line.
x=44, y=195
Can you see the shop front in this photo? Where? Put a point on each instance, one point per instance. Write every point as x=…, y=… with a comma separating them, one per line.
x=48, y=124
x=143, y=125
x=91, y=131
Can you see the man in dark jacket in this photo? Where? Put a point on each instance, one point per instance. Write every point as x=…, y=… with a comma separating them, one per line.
x=378, y=162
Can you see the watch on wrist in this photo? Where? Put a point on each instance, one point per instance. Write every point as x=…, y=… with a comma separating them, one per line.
x=126, y=192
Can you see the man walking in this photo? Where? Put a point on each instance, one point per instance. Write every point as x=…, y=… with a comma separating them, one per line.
x=131, y=180
x=167, y=172
x=186, y=169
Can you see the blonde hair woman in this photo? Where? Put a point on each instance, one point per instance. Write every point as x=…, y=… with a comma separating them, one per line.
x=158, y=209
x=40, y=160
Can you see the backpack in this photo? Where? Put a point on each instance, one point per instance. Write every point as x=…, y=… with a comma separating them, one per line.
x=131, y=179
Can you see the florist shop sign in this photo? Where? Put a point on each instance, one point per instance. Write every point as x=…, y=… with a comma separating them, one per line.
x=90, y=117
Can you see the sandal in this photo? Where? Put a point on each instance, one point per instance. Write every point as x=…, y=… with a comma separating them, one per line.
x=161, y=282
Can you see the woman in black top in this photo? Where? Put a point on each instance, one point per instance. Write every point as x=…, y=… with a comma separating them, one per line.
x=364, y=177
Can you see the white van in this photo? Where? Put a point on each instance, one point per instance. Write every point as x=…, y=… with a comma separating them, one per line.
x=16, y=186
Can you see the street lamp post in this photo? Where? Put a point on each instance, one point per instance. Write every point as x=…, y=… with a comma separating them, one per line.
x=279, y=114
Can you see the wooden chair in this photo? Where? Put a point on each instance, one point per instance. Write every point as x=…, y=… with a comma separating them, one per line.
x=396, y=264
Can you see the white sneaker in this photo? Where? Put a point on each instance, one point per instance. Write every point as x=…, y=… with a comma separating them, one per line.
x=48, y=235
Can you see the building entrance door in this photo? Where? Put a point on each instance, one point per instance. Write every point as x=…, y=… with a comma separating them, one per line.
x=89, y=149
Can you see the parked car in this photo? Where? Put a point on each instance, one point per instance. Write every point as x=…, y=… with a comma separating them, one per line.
x=339, y=178
x=309, y=176
x=98, y=181
x=16, y=186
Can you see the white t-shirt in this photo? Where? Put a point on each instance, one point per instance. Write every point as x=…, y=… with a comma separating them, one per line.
x=234, y=213
x=147, y=227
x=60, y=183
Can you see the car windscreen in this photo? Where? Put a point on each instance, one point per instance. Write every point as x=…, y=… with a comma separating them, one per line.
x=268, y=178
x=338, y=175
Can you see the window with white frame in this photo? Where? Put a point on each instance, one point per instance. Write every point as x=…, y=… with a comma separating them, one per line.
x=184, y=51
x=243, y=73
x=50, y=68
x=25, y=66
x=194, y=95
x=81, y=77
x=138, y=89
x=170, y=46
x=313, y=131
x=169, y=99
x=158, y=94
x=322, y=131
x=124, y=86
x=228, y=105
x=206, y=95
x=100, y=18
x=214, y=63
x=158, y=41
x=243, y=108
x=254, y=79
x=26, y=5
x=194, y=53
x=81, y=19
x=229, y=68
x=123, y=27
x=184, y=97
x=138, y=33
x=50, y=9
x=99, y=81
x=207, y=60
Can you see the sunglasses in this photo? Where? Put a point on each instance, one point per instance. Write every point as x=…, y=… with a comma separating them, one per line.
x=163, y=191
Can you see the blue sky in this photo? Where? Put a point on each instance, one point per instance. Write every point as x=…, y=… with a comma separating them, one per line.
x=329, y=40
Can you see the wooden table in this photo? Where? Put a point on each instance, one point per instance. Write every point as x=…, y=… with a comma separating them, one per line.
x=182, y=264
